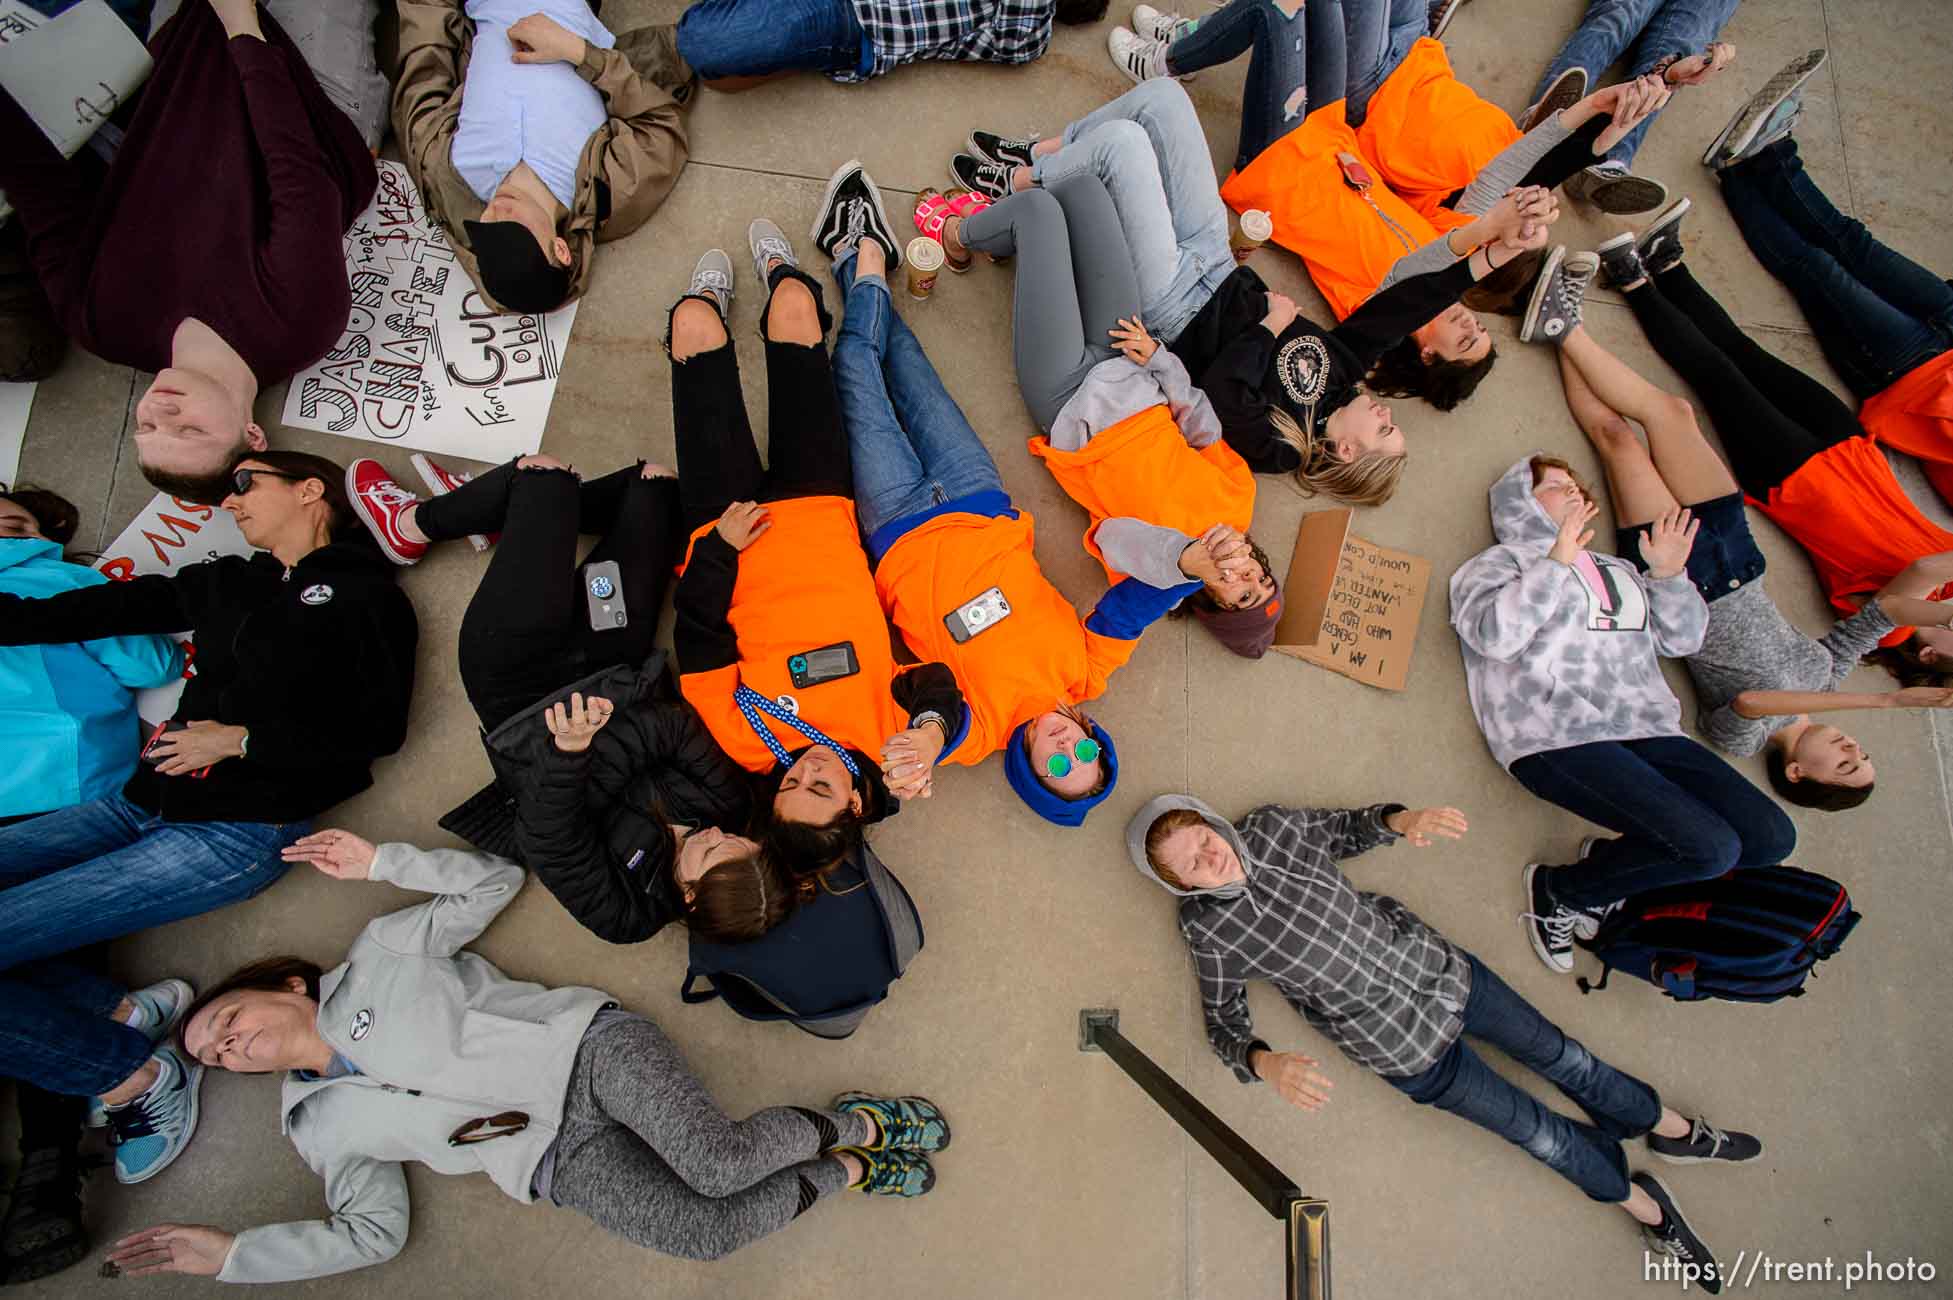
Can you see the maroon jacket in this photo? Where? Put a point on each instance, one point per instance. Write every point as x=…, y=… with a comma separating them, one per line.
x=227, y=201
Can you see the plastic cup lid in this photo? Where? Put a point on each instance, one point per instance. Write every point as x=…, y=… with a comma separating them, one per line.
x=1257, y=224
x=925, y=254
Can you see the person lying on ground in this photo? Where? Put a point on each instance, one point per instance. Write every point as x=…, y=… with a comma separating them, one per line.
x=415, y=1048
x=1266, y=898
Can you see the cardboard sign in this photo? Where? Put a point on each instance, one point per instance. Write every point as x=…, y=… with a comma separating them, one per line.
x=69, y=72
x=166, y=536
x=423, y=361
x=1353, y=606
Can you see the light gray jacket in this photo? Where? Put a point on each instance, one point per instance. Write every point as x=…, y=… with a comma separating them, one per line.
x=439, y=1037
x=1558, y=655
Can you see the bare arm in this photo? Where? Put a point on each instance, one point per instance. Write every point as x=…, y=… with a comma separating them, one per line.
x=1775, y=704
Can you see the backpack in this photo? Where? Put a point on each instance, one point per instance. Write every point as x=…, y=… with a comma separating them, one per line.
x=826, y=966
x=1752, y=935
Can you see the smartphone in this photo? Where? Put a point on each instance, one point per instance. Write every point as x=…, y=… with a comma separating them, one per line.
x=1355, y=174
x=978, y=615
x=828, y=664
x=150, y=754
x=603, y=587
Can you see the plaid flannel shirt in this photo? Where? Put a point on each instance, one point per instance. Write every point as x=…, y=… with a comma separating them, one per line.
x=970, y=31
x=1362, y=968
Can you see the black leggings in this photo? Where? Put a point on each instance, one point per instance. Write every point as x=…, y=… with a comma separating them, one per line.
x=807, y=445
x=1564, y=160
x=1771, y=416
x=527, y=631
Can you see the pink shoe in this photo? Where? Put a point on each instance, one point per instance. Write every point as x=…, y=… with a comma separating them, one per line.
x=440, y=481
x=379, y=502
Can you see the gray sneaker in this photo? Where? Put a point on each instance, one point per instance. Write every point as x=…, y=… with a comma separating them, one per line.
x=1613, y=188
x=768, y=242
x=1748, y=123
x=1568, y=89
x=1557, y=296
x=712, y=277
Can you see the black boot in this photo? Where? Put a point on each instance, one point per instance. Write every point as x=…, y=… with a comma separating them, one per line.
x=42, y=1232
x=31, y=342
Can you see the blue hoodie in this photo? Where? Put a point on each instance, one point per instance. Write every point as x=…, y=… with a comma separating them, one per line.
x=68, y=722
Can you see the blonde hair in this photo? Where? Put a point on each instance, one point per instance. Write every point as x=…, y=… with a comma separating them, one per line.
x=1369, y=480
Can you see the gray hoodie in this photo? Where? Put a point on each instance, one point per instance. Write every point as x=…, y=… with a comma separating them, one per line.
x=1559, y=655
x=1143, y=821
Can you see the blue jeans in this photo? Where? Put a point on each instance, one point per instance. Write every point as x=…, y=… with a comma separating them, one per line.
x=1297, y=63
x=1877, y=314
x=107, y=868
x=1148, y=149
x=911, y=446
x=756, y=38
x=1652, y=32
x=55, y=1030
x=1680, y=812
x=1588, y=1155
x=1380, y=34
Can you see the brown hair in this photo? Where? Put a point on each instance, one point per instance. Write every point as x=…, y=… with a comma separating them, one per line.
x=1084, y=720
x=741, y=898
x=266, y=975
x=339, y=508
x=1369, y=480
x=1403, y=372
x=1163, y=828
x=1204, y=599
x=1907, y=667
x=54, y=514
x=1820, y=795
x=1540, y=464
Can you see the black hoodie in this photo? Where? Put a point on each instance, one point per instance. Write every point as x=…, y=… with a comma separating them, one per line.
x=316, y=661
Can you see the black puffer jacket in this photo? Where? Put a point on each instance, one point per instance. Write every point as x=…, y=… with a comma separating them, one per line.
x=594, y=826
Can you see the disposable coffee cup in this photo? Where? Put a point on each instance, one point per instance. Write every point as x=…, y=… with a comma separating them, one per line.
x=925, y=258
x=1251, y=232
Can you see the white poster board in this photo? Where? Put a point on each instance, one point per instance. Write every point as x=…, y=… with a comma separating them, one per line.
x=69, y=72
x=423, y=362
x=167, y=535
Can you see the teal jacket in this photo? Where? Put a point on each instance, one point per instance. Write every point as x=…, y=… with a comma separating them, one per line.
x=68, y=722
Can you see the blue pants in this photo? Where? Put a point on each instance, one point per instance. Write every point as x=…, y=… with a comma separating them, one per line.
x=756, y=38
x=911, y=446
x=1877, y=314
x=1652, y=33
x=55, y=1030
x=1296, y=65
x=1588, y=1155
x=1379, y=34
x=1680, y=812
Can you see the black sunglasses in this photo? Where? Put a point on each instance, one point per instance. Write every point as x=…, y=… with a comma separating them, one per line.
x=242, y=476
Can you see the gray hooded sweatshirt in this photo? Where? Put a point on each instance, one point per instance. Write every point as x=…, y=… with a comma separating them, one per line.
x=1558, y=655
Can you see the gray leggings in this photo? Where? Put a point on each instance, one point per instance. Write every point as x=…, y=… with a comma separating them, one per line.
x=1075, y=280
x=647, y=1154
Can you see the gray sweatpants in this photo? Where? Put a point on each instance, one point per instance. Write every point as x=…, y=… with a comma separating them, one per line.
x=1075, y=280
x=647, y=1154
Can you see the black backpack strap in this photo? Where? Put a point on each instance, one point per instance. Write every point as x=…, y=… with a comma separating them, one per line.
x=1587, y=987
x=693, y=997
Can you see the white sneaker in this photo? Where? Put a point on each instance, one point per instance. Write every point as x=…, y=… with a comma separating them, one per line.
x=1156, y=24
x=1137, y=57
x=440, y=481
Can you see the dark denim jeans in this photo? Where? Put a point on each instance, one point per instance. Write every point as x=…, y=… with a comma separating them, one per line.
x=1680, y=812
x=1654, y=30
x=756, y=38
x=55, y=1031
x=1588, y=1155
x=1380, y=34
x=1877, y=314
x=912, y=447
x=107, y=868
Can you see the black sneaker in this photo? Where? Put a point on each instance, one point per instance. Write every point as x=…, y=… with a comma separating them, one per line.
x=1613, y=188
x=1620, y=264
x=1568, y=89
x=1548, y=924
x=994, y=148
x=1660, y=245
x=990, y=179
x=43, y=1233
x=1439, y=15
x=852, y=210
x=1744, y=127
x=1588, y=920
x=1557, y=297
x=1704, y=1143
x=1675, y=1239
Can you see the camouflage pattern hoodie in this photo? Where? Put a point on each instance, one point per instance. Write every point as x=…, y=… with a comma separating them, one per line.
x=1558, y=655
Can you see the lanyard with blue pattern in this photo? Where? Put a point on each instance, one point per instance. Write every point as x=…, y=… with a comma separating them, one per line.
x=752, y=704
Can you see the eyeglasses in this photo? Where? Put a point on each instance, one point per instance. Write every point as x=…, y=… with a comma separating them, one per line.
x=242, y=477
x=1059, y=764
x=488, y=1128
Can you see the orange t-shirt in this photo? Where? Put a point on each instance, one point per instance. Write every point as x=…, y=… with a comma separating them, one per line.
x=1428, y=134
x=802, y=585
x=1349, y=241
x=1039, y=657
x=1848, y=511
x=1915, y=416
x=1142, y=468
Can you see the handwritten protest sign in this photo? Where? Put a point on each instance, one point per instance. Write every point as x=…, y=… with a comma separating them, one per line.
x=1353, y=606
x=70, y=71
x=169, y=534
x=424, y=362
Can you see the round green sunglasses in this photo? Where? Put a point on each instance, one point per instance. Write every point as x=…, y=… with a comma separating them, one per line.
x=1059, y=764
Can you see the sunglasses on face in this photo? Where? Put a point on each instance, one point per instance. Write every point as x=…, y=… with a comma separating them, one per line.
x=242, y=477
x=1060, y=763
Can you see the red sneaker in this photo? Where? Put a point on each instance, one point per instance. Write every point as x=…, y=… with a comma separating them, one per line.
x=379, y=502
x=440, y=481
